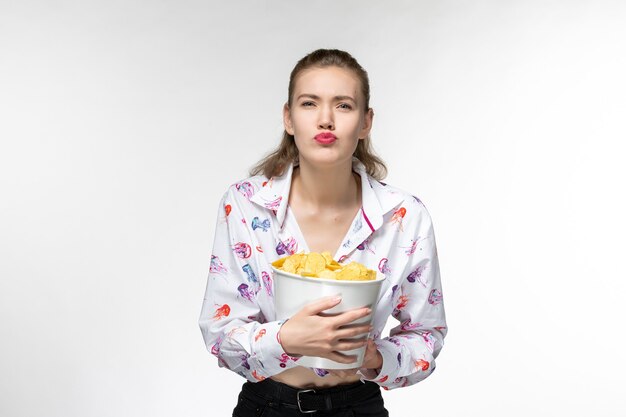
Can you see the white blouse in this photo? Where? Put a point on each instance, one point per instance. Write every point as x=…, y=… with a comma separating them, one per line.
x=392, y=232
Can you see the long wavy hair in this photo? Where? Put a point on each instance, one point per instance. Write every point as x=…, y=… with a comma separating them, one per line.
x=275, y=163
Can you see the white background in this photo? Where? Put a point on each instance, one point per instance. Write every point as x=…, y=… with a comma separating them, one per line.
x=123, y=122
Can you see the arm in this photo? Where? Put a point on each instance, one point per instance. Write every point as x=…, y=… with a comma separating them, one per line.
x=410, y=350
x=231, y=321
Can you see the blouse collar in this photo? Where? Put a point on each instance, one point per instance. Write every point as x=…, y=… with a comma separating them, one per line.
x=377, y=199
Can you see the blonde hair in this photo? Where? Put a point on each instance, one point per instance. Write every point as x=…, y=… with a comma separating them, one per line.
x=276, y=162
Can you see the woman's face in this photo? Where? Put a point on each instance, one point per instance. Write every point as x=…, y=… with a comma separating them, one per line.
x=327, y=115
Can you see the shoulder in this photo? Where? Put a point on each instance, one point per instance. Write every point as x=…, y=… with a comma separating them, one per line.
x=238, y=196
x=404, y=203
x=244, y=189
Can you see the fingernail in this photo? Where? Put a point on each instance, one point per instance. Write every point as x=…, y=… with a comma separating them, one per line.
x=337, y=299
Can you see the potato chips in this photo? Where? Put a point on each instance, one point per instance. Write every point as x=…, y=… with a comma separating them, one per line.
x=322, y=265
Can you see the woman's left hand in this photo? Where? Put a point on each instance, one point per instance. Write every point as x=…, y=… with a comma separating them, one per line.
x=372, y=360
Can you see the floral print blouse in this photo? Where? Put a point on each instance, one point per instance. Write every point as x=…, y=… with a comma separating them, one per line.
x=392, y=232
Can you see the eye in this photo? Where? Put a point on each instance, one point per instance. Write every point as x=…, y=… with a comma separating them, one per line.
x=307, y=104
x=345, y=106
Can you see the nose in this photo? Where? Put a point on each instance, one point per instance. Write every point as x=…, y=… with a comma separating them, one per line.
x=326, y=119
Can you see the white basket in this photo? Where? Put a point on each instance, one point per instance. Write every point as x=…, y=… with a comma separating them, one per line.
x=292, y=292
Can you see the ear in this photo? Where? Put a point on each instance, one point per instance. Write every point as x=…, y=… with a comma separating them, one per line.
x=367, y=124
x=287, y=119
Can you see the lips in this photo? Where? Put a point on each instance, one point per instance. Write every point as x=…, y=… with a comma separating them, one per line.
x=325, y=138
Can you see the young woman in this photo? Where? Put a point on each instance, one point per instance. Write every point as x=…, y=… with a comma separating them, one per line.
x=321, y=191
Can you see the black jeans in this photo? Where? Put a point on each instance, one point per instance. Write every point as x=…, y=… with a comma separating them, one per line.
x=269, y=398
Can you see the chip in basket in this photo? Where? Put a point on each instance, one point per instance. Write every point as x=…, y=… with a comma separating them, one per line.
x=322, y=265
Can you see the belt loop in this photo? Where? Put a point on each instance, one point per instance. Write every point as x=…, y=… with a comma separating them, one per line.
x=328, y=401
x=278, y=390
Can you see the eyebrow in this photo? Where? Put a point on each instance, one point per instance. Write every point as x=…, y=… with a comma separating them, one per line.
x=336, y=98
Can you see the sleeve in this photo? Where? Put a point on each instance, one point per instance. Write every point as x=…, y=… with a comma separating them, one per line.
x=410, y=350
x=232, y=323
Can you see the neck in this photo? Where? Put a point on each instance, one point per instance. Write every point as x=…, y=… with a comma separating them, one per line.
x=328, y=187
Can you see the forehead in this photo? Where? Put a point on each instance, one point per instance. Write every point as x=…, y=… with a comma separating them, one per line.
x=331, y=81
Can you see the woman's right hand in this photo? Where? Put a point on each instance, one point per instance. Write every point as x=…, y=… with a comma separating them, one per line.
x=311, y=334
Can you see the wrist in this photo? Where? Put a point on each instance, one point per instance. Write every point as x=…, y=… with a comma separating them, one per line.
x=373, y=367
x=370, y=373
x=379, y=362
x=281, y=341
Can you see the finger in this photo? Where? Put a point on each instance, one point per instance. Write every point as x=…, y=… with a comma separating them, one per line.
x=371, y=347
x=349, y=331
x=344, y=345
x=320, y=305
x=350, y=316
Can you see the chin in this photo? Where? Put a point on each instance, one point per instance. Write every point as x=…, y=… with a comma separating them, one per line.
x=326, y=160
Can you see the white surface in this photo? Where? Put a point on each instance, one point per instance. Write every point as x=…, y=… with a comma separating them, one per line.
x=122, y=123
x=293, y=292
